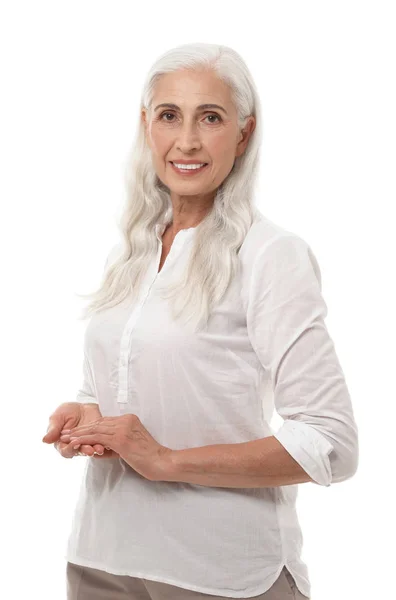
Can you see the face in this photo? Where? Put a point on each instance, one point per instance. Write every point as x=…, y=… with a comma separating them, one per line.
x=188, y=132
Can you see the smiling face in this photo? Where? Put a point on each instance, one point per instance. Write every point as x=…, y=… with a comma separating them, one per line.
x=186, y=131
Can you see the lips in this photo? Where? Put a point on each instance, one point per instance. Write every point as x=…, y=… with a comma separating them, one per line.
x=182, y=163
x=188, y=172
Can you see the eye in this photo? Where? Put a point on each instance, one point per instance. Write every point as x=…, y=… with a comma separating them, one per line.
x=214, y=115
x=172, y=115
x=166, y=113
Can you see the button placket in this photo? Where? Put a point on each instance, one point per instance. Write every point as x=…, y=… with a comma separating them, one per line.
x=177, y=242
x=122, y=396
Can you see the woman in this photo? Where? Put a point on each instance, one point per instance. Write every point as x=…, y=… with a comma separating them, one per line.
x=194, y=495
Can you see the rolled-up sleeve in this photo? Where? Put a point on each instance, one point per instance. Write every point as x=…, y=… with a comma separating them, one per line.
x=285, y=321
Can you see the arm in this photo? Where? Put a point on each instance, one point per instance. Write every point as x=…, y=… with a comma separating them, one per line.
x=318, y=440
x=259, y=463
x=286, y=319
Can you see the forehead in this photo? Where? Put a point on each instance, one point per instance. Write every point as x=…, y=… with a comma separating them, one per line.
x=190, y=88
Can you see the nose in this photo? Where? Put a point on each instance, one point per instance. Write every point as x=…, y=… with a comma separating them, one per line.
x=188, y=138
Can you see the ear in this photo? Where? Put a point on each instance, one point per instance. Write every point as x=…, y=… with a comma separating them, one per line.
x=244, y=136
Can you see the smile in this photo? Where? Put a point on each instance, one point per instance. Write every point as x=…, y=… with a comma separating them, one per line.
x=188, y=170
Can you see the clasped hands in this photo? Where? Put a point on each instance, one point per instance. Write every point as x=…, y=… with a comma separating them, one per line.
x=127, y=436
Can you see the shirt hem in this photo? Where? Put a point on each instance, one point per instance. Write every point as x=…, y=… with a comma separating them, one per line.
x=84, y=562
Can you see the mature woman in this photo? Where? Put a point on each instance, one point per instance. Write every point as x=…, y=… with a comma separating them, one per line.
x=192, y=494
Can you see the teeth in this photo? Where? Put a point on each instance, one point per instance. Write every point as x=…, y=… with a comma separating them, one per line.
x=189, y=166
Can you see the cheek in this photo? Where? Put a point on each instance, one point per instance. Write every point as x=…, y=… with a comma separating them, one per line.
x=157, y=146
x=159, y=142
x=221, y=148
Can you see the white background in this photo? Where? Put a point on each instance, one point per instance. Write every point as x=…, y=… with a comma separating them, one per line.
x=71, y=78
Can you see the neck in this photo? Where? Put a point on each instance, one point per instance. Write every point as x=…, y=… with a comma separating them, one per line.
x=189, y=211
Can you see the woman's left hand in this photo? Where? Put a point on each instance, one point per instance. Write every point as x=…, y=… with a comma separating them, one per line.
x=127, y=436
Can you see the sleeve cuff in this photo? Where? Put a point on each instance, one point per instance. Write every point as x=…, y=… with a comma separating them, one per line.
x=309, y=448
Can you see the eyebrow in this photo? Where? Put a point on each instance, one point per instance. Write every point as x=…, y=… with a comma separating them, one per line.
x=200, y=107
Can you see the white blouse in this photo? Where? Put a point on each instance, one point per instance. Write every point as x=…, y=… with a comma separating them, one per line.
x=266, y=347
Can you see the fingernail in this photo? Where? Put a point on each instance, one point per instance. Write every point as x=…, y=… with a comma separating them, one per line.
x=75, y=447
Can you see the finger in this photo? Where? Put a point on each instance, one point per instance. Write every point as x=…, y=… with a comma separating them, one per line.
x=95, y=427
x=99, y=448
x=94, y=440
x=85, y=450
x=89, y=450
x=65, y=450
x=68, y=451
x=75, y=450
x=91, y=439
x=64, y=417
x=83, y=430
x=54, y=428
x=107, y=454
x=79, y=449
x=97, y=451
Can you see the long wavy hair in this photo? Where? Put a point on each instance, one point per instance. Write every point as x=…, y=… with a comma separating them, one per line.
x=218, y=237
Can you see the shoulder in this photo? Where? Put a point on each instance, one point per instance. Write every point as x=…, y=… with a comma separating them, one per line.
x=272, y=253
x=266, y=238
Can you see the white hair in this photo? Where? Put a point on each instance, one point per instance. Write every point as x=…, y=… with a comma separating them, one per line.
x=219, y=236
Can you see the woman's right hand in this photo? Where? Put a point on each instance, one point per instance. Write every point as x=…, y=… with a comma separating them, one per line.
x=74, y=414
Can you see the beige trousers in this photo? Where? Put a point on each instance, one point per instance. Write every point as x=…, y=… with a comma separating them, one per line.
x=84, y=583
